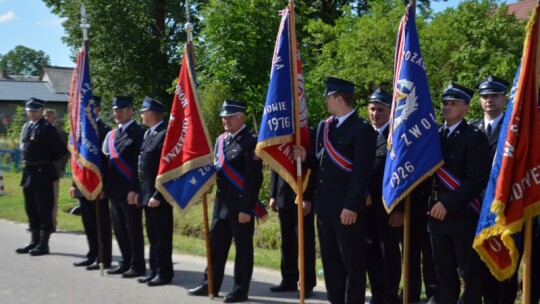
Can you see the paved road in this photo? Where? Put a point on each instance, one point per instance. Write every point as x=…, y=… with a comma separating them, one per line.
x=53, y=278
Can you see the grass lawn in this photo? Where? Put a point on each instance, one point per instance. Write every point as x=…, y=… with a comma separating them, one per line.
x=188, y=229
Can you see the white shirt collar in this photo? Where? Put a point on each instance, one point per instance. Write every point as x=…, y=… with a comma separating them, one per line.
x=494, y=122
x=381, y=129
x=233, y=135
x=452, y=128
x=126, y=125
x=343, y=118
x=154, y=127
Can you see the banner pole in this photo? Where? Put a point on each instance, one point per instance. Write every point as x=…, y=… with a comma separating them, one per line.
x=297, y=140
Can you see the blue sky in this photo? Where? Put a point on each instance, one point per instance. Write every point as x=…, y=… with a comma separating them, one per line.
x=31, y=23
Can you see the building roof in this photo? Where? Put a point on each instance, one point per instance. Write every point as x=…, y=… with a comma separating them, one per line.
x=23, y=90
x=58, y=77
x=522, y=9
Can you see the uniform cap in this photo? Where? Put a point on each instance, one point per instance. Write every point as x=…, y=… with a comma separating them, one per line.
x=455, y=91
x=34, y=104
x=492, y=85
x=119, y=102
x=381, y=96
x=231, y=107
x=152, y=104
x=337, y=85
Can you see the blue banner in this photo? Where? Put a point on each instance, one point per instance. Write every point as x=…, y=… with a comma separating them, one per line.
x=84, y=142
x=413, y=142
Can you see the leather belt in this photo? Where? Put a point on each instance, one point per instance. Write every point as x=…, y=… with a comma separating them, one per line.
x=26, y=163
x=438, y=195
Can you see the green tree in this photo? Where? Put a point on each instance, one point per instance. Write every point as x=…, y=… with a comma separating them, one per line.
x=14, y=129
x=235, y=50
x=465, y=44
x=24, y=61
x=135, y=45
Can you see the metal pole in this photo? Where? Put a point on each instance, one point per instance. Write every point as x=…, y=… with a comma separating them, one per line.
x=297, y=140
x=188, y=27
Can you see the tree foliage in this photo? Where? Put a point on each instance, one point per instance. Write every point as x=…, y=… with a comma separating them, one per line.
x=24, y=61
x=134, y=44
x=468, y=43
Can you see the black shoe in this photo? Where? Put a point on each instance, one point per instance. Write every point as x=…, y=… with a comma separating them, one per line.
x=201, y=290
x=133, y=273
x=117, y=270
x=95, y=266
x=147, y=278
x=308, y=293
x=235, y=298
x=39, y=251
x=84, y=262
x=159, y=280
x=283, y=287
x=76, y=210
x=26, y=248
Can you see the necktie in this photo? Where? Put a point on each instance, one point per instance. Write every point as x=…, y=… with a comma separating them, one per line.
x=146, y=133
x=229, y=139
x=488, y=130
x=445, y=133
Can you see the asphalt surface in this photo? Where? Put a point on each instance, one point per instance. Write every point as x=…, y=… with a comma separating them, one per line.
x=53, y=278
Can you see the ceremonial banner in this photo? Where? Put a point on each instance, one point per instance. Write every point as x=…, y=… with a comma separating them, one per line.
x=186, y=169
x=84, y=142
x=413, y=142
x=513, y=193
x=276, y=140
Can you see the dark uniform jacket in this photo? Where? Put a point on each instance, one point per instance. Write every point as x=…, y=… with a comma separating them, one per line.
x=284, y=194
x=494, y=138
x=41, y=145
x=128, y=145
x=464, y=154
x=149, y=158
x=337, y=189
x=375, y=185
x=240, y=154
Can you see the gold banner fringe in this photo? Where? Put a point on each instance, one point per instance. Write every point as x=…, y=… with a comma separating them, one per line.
x=411, y=188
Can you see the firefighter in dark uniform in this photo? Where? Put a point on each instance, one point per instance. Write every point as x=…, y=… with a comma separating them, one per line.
x=234, y=203
x=88, y=210
x=158, y=212
x=122, y=146
x=345, y=156
x=282, y=200
x=383, y=231
x=454, y=212
x=492, y=91
x=41, y=145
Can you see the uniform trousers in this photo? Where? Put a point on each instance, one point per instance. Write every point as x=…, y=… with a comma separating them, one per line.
x=159, y=229
x=127, y=224
x=342, y=252
x=498, y=292
x=90, y=223
x=421, y=263
x=535, y=263
x=454, y=257
x=38, y=202
x=383, y=254
x=288, y=222
x=221, y=234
